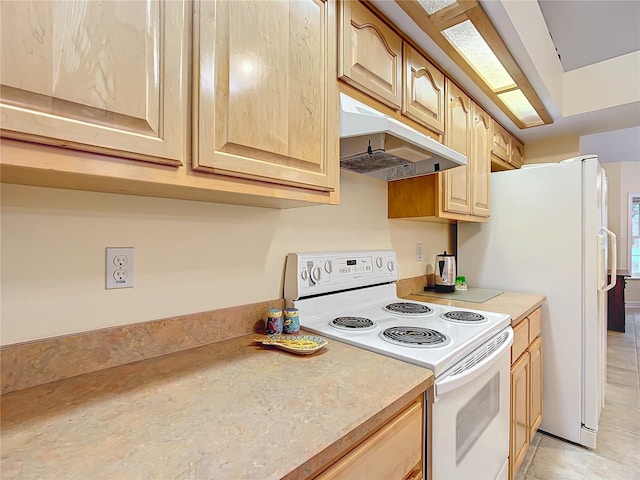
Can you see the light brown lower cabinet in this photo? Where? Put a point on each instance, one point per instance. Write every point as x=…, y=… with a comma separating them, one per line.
x=395, y=451
x=526, y=388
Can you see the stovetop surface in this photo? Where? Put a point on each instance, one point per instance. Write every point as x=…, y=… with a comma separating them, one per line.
x=316, y=314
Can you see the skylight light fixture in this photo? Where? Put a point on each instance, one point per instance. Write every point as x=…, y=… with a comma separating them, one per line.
x=465, y=33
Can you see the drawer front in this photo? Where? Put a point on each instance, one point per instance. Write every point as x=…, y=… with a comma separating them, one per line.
x=392, y=452
x=520, y=339
x=535, y=324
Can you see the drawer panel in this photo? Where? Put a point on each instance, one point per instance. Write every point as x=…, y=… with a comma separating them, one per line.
x=392, y=452
x=520, y=339
x=535, y=324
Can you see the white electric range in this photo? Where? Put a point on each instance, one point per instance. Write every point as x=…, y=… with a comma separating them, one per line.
x=351, y=297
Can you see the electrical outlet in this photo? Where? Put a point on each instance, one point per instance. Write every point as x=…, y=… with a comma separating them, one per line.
x=419, y=252
x=119, y=267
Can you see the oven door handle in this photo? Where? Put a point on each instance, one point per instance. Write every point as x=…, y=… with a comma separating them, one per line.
x=474, y=364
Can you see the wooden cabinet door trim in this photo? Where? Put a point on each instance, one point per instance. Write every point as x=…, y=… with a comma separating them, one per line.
x=401, y=440
x=517, y=153
x=535, y=386
x=423, y=101
x=457, y=186
x=261, y=111
x=376, y=67
x=87, y=86
x=519, y=413
x=501, y=143
x=481, y=162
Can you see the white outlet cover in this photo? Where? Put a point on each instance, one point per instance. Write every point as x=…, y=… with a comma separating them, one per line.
x=119, y=267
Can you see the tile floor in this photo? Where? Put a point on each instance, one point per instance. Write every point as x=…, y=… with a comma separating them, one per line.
x=617, y=456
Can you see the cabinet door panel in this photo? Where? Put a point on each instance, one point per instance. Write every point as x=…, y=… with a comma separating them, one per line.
x=481, y=162
x=456, y=180
x=517, y=153
x=97, y=76
x=501, y=143
x=535, y=394
x=370, y=54
x=519, y=413
x=424, y=93
x=266, y=104
x=392, y=452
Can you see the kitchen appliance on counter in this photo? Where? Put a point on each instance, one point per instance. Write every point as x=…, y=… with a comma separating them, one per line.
x=376, y=144
x=548, y=233
x=445, y=272
x=351, y=297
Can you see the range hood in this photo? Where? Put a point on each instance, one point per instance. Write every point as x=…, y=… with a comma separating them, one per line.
x=375, y=144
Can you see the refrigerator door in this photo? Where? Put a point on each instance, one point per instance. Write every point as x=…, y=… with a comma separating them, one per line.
x=593, y=298
x=535, y=241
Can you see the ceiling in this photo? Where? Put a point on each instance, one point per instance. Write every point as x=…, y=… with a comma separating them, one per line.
x=581, y=57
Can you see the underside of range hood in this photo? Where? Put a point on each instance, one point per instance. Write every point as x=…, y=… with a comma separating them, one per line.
x=375, y=144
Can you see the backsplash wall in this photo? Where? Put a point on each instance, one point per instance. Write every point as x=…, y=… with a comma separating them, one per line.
x=189, y=256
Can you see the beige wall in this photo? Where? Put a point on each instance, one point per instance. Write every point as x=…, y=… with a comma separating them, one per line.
x=552, y=150
x=190, y=256
x=623, y=179
x=632, y=292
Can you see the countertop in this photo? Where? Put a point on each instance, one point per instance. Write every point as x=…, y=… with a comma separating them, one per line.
x=232, y=409
x=518, y=305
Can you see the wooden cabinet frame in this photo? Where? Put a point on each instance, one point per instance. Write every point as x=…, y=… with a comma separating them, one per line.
x=526, y=388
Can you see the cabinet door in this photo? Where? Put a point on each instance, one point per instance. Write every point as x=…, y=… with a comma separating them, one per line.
x=392, y=452
x=517, y=153
x=424, y=94
x=265, y=96
x=370, y=54
x=519, y=413
x=96, y=76
x=481, y=164
x=456, y=190
x=535, y=385
x=501, y=142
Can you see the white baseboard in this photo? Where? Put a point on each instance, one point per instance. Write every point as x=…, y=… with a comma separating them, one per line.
x=632, y=304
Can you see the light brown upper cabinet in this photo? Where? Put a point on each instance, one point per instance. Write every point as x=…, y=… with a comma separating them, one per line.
x=517, y=153
x=113, y=77
x=501, y=143
x=424, y=92
x=457, y=181
x=369, y=54
x=266, y=103
x=480, y=161
x=458, y=194
x=506, y=152
x=96, y=76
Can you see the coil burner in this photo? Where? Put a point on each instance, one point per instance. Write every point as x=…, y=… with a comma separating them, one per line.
x=415, y=337
x=408, y=308
x=461, y=316
x=352, y=323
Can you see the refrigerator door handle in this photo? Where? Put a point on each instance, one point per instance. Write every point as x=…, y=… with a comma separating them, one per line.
x=614, y=259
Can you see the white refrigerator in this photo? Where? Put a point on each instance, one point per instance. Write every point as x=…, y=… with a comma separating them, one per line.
x=547, y=234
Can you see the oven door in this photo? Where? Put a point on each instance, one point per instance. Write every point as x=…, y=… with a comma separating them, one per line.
x=470, y=415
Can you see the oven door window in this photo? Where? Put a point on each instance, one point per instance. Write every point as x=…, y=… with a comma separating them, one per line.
x=473, y=419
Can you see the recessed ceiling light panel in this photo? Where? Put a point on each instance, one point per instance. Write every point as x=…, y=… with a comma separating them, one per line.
x=521, y=107
x=433, y=6
x=466, y=39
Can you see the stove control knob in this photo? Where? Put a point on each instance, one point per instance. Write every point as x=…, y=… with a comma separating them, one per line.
x=379, y=262
x=317, y=273
x=304, y=275
x=328, y=266
x=390, y=265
